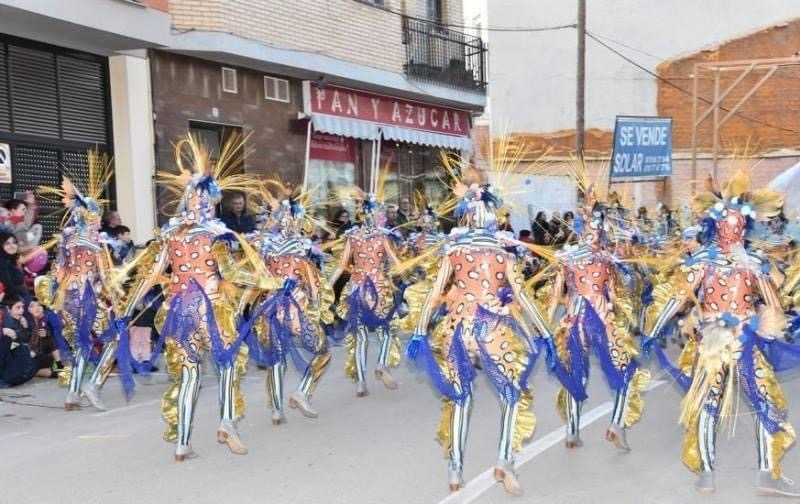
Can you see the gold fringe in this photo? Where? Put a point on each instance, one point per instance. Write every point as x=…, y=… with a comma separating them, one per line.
x=561, y=403
x=637, y=385
x=169, y=401
x=526, y=421
x=691, y=451
x=781, y=441
x=350, y=360
x=394, y=352
x=415, y=297
x=443, y=432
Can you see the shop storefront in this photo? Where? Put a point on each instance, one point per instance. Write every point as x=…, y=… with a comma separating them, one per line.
x=353, y=134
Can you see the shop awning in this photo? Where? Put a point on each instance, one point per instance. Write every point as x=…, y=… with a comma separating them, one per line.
x=426, y=138
x=352, y=128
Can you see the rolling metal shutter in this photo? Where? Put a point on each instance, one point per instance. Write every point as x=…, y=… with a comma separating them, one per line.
x=54, y=106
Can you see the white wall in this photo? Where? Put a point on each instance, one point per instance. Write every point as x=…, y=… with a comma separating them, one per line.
x=132, y=112
x=525, y=195
x=532, y=74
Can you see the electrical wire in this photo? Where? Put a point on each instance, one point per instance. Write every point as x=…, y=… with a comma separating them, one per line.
x=682, y=90
x=466, y=27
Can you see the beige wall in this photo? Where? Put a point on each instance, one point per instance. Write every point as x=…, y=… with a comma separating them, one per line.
x=345, y=29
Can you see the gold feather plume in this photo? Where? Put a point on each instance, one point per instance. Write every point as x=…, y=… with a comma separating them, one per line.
x=101, y=169
x=192, y=157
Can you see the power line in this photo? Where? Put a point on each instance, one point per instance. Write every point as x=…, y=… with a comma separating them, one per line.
x=682, y=90
x=467, y=27
x=635, y=49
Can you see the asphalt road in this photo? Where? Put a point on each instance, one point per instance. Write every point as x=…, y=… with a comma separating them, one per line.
x=377, y=449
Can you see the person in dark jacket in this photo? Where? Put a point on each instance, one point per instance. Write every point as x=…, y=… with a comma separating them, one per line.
x=236, y=218
x=541, y=229
x=11, y=275
x=18, y=363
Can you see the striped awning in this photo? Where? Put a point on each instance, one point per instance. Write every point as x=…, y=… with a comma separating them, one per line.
x=352, y=128
x=366, y=130
x=426, y=138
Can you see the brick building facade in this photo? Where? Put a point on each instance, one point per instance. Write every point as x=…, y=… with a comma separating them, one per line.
x=399, y=52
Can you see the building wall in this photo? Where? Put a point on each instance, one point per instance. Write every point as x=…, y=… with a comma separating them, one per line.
x=358, y=32
x=538, y=69
x=188, y=89
x=776, y=103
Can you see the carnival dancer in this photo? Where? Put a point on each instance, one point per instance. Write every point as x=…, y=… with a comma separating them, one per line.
x=77, y=288
x=740, y=319
x=368, y=300
x=598, y=319
x=480, y=320
x=286, y=322
x=200, y=309
x=422, y=249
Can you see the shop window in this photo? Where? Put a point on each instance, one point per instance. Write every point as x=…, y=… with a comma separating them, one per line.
x=229, y=80
x=331, y=166
x=276, y=89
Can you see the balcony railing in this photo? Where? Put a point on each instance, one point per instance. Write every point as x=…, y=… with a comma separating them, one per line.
x=437, y=54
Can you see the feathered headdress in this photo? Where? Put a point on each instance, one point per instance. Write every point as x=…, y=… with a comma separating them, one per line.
x=761, y=204
x=200, y=180
x=281, y=198
x=84, y=203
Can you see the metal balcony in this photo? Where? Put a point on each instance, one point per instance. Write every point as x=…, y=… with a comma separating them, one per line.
x=442, y=56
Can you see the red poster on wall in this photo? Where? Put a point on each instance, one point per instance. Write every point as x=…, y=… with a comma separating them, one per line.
x=332, y=148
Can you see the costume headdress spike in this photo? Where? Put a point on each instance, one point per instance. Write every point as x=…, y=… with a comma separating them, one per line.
x=84, y=203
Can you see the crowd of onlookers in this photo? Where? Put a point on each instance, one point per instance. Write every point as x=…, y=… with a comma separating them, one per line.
x=28, y=343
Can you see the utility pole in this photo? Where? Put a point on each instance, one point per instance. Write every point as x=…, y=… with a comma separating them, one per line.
x=581, y=78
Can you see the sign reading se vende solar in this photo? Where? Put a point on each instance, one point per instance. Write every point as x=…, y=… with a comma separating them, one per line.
x=642, y=147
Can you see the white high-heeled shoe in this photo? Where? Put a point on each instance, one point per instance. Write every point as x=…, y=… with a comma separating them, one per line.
x=504, y=473
x=227, y=434
x=301, y=402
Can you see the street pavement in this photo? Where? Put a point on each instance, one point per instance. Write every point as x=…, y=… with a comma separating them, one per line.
x=377, y=449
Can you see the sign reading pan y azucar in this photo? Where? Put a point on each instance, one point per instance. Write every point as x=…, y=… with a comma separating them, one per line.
x=642, y=147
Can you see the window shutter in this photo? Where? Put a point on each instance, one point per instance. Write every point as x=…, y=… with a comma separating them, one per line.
x=5, y=111
x=82, y=91
x=33, y=86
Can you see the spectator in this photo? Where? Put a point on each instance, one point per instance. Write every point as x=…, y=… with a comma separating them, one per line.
x=392, y=217
x=111, y=220
x=559, y=230
x=45, y=324
x=504, y=222
x=11, y=276
x=569, y=217
x=14, y=322
x=121, y=244
x=21, y=219
x=236, y=218
x=143, y=331
x=404, y=212
x=525, y=236
x=341, y=222
x=540, y=229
